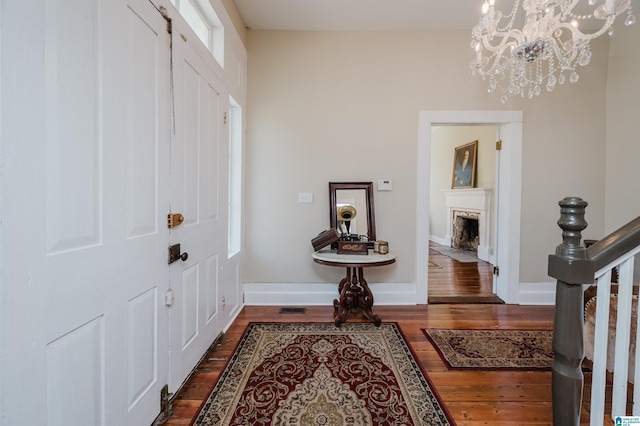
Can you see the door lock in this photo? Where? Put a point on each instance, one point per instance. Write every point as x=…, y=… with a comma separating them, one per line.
x=174, y=219
x=175, y=255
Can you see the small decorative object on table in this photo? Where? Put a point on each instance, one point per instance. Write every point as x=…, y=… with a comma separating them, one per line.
x=325, y=238
x=352, y=247
x=346, y=214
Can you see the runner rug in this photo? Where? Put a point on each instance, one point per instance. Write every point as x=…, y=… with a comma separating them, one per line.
x=493, y=349
x=320, y=374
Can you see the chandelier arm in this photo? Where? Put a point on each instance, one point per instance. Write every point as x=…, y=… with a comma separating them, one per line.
x=505, y=39
x=590, y=36
x=576, y=34
x=495, y=66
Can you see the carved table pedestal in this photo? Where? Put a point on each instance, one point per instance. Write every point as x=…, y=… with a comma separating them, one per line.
x=355, y=295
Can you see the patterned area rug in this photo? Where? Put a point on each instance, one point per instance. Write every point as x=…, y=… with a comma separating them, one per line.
x=493, y=349
x=319, y=374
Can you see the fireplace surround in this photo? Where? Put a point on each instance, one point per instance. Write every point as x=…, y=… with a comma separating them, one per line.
x=470, y=204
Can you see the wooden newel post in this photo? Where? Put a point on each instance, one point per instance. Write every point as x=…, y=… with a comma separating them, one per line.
x=571, y=267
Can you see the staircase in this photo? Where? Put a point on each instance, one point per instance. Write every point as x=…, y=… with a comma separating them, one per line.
x=575, y=267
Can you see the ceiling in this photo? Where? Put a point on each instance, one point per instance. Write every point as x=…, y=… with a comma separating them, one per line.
x=359, y=15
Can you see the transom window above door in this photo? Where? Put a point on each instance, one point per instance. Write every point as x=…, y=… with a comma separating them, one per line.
x=205, y=23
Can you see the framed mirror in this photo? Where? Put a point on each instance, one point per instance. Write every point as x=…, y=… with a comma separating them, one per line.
x=350, y=196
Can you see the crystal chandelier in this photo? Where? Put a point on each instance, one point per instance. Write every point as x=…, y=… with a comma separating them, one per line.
x=548, y=49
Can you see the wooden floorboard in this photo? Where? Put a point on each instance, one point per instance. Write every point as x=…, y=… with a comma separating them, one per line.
x=451, y=281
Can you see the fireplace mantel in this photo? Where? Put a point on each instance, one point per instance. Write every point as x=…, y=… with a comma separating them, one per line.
x=476, y=200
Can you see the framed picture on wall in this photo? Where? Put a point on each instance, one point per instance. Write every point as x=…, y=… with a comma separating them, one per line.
x=464, y=165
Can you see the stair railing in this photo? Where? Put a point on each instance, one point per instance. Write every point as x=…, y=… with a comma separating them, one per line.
x=574, y=266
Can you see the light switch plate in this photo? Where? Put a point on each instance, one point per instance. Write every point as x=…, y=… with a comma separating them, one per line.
x=385, y=185
x=305, y=197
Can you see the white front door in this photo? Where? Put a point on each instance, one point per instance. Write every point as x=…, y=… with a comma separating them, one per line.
x=86, y=125
x=195, y=193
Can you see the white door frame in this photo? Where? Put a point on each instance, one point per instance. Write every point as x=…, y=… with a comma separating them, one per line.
x=509, y=187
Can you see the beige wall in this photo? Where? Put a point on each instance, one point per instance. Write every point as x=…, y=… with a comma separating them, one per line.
x=236, y=19
x=315, y=99
x=443, y=141
x=623, y=137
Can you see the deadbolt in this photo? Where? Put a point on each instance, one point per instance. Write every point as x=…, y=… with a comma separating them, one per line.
x=175, y=255
x=174, y=219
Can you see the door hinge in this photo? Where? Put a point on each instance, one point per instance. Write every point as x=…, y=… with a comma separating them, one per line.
x=165, y=400
x=166, y=408
x=496, y=271
x=174, y=219
x=499, y=145
x=165, y=15
x=225, y=117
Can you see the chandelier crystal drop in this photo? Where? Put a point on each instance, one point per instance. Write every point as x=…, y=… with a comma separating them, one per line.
x=547, y=51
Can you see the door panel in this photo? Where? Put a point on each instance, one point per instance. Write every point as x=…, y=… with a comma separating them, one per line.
x=78, y=355
x=210, y=296
x=72, y=148
x=141, y=342
x=195, y=168
x=189, y=300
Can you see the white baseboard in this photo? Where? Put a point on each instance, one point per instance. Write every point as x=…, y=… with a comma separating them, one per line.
x=443, y=241
x=540, y=293
x=322, y=294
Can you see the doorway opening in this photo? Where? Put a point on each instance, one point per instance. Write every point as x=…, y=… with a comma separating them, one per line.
x=504, y=250
x=462, y=220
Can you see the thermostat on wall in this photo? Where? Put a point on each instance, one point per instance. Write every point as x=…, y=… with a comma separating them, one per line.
x=385, y=185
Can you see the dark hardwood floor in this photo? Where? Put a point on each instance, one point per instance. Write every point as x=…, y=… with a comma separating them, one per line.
x=451, y=281
x=472, y=397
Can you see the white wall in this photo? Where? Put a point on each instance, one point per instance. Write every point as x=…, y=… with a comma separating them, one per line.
x=443, y=141
x=316, y=97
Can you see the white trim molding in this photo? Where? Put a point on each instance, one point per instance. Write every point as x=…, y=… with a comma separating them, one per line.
x=322, y=294
x=506, y=252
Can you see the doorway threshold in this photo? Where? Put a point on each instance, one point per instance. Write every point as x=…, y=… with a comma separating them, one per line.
x=458, y=300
